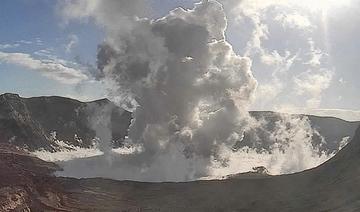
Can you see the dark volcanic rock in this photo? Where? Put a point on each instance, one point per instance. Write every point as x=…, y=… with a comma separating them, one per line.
x=28, y=122
x=27, y=183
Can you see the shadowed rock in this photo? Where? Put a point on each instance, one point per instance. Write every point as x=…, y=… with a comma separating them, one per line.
x=29, y=122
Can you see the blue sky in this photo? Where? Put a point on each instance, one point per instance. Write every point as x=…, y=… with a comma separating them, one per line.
x=273, y=38
x=33, y=26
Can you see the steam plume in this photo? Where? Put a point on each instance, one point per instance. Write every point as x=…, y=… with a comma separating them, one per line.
x=188, y=90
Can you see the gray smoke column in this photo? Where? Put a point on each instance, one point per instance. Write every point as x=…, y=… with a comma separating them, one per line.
x=100, y=121
x=188, y=90
x=183, y=81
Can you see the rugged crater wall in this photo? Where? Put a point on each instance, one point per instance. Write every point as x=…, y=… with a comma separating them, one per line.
x=29, y=122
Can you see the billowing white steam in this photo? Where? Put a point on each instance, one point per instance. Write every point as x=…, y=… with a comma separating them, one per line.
x=187, y=88
x=292, y=152
x=291, y=149
x=189, y=93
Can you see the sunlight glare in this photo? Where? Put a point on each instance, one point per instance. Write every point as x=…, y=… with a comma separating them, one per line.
x=321, y=5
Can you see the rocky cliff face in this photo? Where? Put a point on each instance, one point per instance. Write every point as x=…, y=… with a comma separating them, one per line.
x=27, y=183
x=31, y=122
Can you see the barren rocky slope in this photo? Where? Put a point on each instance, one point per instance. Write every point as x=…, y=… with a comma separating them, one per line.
x=29, y=122
x=26, y=182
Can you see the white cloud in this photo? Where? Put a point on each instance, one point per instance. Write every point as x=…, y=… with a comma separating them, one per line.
x=73, y=41
x=315, y=54
x=267, y=92
x=25, y=42
x=111, y=13
x=9, y=46
x=50, y=68
x=313, y=84
x=294, y=20
x=287, y=38
x=19, y=43
x=280, y=62
x=342, y=81
x=39, y=42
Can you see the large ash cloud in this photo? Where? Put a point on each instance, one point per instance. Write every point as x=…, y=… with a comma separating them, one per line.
x=187, y=88
x=184, y=82
x=189, y=93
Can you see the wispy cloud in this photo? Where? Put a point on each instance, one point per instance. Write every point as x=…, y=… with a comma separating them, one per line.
x=285, y=39
x=315, y=54
x=294, y=21
x=9, y=45
x=51, y=68
x=26, y=42
x=20, y=43
x=313, y=84
x=73, y=41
